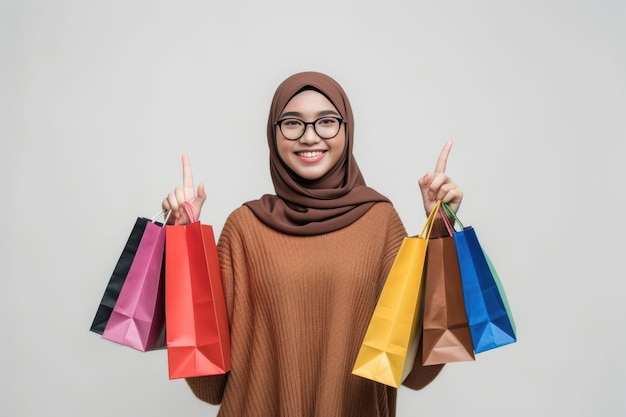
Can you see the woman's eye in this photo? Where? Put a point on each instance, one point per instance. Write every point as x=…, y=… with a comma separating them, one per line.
x=329, y=121
x=292, y=123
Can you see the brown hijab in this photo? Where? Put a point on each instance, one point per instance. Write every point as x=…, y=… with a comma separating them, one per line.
x=304, y=207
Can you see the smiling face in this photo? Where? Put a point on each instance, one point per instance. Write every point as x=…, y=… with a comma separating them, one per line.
x=310, y=157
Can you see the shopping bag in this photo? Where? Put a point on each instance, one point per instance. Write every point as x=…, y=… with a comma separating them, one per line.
x=488, y=312
x=138, y=317
x=388, y=350
x=198, y=339
x=446, y=334
x=114, y=286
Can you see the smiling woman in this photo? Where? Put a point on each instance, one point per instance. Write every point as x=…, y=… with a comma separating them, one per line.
x=303, y=269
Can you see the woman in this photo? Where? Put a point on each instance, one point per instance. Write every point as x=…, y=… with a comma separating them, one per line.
x=302, y=269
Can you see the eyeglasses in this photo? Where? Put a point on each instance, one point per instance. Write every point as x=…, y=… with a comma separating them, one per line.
x=325, y=127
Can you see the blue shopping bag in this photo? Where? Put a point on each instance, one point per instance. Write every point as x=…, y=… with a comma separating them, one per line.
x=488, y=312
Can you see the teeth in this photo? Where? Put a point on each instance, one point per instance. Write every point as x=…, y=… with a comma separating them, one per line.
x=310, y=154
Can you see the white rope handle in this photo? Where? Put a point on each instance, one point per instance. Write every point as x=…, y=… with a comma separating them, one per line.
x=164, y=214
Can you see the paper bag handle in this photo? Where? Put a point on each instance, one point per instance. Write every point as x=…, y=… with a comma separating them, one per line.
x=191, y=213
x=448, y=210
x=164, y=214
x=428, y=226
x=446, y=220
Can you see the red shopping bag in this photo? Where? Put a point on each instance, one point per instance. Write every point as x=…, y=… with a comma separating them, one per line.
x=138, y=317
x=198, y=339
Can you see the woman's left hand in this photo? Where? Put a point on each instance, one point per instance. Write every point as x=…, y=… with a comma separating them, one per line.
x=438, y=186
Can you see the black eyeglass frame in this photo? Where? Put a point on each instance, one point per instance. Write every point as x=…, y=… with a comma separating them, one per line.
x=306, y=125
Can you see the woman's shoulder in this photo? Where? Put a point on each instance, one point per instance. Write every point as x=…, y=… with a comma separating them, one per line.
x=383, y=209
x=384, y=206
x=240, y=222
x=241, y=214
x=382, y=215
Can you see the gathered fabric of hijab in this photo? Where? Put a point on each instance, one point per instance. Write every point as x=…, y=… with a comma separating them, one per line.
x=312, y=207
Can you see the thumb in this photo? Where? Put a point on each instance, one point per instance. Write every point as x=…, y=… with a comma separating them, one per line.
x=424, y=182
x=201, y=193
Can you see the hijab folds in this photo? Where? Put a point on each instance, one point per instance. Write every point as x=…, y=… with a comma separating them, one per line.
x=312, y=207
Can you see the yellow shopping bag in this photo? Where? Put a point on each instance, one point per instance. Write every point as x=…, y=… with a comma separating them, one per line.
x=388, y=350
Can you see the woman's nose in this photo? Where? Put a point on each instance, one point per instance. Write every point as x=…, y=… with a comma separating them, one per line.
x=310, y=135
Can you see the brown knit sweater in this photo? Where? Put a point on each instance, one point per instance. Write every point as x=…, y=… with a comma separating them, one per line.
x=299, y=308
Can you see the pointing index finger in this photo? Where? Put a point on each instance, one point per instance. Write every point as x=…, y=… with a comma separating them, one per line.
x=187, y=178
x=443, y=157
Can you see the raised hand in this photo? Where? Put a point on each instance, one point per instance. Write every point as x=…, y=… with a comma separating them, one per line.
x=438, y=186
x=176, y=199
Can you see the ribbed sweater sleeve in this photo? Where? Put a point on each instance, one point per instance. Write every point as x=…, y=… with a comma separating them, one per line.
x=208, y=388
x=421, y=375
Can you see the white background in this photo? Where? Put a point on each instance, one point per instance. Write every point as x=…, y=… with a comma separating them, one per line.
x=98, y=101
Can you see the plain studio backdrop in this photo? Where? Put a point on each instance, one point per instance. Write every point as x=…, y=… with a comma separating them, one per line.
x=99, y=100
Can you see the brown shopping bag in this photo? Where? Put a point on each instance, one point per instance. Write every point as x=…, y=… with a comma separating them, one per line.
x=446, y=334
x=388, y=350
x=197, y=331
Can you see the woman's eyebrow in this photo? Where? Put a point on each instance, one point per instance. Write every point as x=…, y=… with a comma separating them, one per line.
x=291, y=114
x=326, y=112
x=298, y=114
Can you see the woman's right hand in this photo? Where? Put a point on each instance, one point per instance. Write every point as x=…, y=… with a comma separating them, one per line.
x=175, y=200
